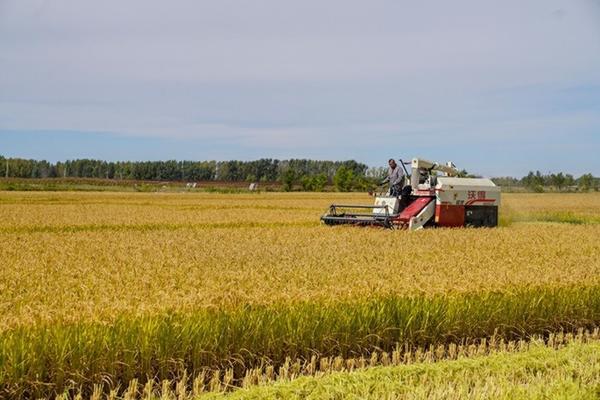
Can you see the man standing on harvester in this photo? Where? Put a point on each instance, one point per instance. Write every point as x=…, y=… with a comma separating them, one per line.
x=395, y=178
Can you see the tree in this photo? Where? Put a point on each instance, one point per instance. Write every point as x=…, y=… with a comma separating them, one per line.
x=4, y=166
x=534, y=181
x=586, y=182
x=307, y=183
x=288, y=179
x=319, y=182
x=558, y=180
x=377, y=173
x=569, y=181
x=343, y=179
x=505, y=181
x=313, y=183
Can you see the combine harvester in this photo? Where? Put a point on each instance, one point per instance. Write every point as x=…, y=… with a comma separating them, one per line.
x=427, y=199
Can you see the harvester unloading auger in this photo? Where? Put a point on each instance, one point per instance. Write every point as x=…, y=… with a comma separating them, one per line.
x=427, y=199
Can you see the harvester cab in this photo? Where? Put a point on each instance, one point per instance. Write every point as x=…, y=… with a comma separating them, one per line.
x=433, y=195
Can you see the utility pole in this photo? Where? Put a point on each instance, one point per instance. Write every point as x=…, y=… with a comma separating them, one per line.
x=7, y=167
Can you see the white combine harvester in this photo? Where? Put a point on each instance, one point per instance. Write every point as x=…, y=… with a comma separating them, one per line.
x=428, y=199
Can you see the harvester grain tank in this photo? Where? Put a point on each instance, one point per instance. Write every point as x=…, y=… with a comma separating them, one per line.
x=433, y=195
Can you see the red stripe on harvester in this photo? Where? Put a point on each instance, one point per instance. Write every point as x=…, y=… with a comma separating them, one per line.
x=468, y=203
x=414, y=208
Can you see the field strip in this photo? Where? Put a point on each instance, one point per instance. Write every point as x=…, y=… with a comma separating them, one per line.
x=551, y=357
x=557, y=218
x=25, y=229
x=52, y=356
x=179, y=294
x=166, y=206
x=151, y=227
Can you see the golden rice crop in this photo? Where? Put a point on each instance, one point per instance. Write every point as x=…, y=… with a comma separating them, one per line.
x=123, y=286
x=104, y=273
x=22, y=211
x=541, y=367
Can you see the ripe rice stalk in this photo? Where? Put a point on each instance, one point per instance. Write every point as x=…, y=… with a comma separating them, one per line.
x=479, y=351
x=108, y=288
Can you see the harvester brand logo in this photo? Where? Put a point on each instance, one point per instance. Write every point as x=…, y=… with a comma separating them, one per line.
x=475, y=195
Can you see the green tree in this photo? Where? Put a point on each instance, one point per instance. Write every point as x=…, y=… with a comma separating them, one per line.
x=585, y=182
x=343, y=179
x=569, y=180
x=534, y=181
x=319, y=182
x=288, y=179
x=307, y=183
x=557, y=180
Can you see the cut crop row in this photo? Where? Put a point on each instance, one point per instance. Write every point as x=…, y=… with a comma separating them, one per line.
x=46, y=359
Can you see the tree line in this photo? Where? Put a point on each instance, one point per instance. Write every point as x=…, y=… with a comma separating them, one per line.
x=263, y=170
x=538, y=182
x=309, y=175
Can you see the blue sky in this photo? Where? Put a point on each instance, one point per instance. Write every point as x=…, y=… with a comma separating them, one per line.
x=497, y=87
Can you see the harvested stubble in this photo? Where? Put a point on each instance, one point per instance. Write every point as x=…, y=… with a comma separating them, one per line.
x=534, y=371
x=129, y=286
x=559, y=364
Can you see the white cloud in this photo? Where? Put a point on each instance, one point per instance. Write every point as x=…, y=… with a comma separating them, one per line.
x=301, y=76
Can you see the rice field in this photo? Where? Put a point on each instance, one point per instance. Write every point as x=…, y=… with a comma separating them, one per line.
x=99, y=289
